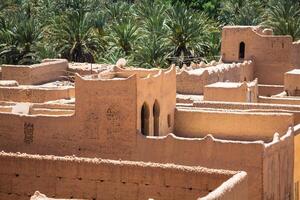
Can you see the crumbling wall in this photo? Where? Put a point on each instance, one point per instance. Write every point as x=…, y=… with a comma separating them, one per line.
x=70, y=177
x=35, y=94
x=47, y=71
x=193, y=82
x=271, y=54
x=231, y=125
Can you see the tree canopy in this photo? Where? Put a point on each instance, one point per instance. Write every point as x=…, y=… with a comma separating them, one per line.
x=148, y=33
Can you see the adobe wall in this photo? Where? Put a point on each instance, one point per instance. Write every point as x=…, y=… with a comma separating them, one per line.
x=271, y=54
x=106, y=109
x=250, y=107
x=35, y=94
x=193, y=82
x=279, y=100
x=278, y=172
x=65, y=135
x=292, y=82
x=47, y=71
x=109, y=130
x=295, y=59
x=70, y=177
x=230, y=125
x=297, y=162
x=159, y=88
x=231, y=92
x=269, y=90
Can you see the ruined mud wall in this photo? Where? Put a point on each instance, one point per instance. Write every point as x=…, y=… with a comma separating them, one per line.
x=35, y=94
x=278, y=172
x=193, y=82
x=61, y=177
x=271, y=54
x=158, y=89
x=35, y=74
x=231, y=125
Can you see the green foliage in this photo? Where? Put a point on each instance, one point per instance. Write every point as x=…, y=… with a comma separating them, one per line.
x=284, y=17
x=148, y=33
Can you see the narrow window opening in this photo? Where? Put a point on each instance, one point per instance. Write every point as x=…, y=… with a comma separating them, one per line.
x=169, y=120
x=145, y=119
x=156, y=113
x=242, y=50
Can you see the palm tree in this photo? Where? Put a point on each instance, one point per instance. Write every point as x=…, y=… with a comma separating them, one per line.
x=20, y=36
x=284, y=18
x=188, y=32
x=241, y=12
x=74, y=36
x=153, y=47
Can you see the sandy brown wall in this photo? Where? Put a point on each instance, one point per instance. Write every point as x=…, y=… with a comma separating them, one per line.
x=271, y=54
x=65, y=136
x=106, y=110
x=228, y=190
x=193, y=82
x=238, y=94
x=279, y=169
x=159, y=88
x=34, y=95
x=22, y=175
x=292, y=83
x=269, y=90
x=230, y=125
x=35, y=74
x=279, y=100
x=295, y=55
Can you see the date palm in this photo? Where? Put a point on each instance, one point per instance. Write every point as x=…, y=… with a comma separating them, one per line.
x=188, y=31
x=284, y=18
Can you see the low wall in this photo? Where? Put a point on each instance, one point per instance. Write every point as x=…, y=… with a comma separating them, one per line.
x=278, y=171
x=269, y=90
x=35, y=94
x=70, y=177
x=251, y=107
x=292, y=82
x=230, y=125
x=193, y=82
x=47, y=71
x=279, y=100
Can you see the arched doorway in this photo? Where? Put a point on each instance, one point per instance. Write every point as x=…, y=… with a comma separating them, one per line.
x=145, y=119
x=242, y=50
x=156, y=113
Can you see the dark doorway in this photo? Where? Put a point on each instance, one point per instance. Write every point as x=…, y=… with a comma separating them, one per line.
x=156, y=113
x=145, y=119
x=242, y=50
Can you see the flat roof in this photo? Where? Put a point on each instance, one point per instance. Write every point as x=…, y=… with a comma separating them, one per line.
x=294, y=71
x=225, y=85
